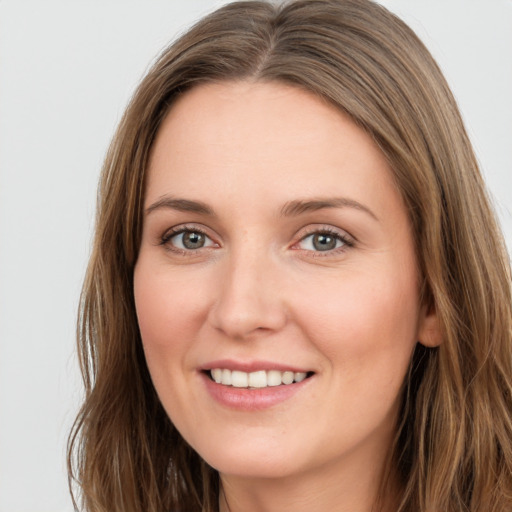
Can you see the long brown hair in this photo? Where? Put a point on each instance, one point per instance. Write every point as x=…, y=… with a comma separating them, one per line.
x=453, y=447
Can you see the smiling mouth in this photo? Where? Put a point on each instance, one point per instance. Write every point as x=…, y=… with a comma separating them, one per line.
x=256, y=380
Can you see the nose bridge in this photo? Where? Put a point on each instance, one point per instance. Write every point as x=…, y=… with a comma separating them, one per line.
x=248, y=299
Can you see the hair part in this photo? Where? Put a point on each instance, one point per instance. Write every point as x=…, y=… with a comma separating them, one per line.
x=453, y=448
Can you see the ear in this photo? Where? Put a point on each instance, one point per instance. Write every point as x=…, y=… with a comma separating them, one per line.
x=429, y=328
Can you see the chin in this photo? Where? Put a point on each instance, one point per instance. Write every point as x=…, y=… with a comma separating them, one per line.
x=254, y=469
x=252, y=462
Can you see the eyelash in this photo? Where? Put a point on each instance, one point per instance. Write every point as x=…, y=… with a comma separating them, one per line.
x=347, y=241
x=171, y=233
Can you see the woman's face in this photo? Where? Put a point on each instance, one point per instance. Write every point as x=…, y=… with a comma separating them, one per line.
x=276, y=286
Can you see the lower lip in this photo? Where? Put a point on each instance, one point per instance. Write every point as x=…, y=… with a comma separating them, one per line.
x=257, y=399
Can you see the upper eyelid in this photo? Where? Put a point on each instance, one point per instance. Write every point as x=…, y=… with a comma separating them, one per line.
x=181, y=228
x=168, y=234
x=300, y=235
x=164, y=240
x=348, y=241
x=324, y=228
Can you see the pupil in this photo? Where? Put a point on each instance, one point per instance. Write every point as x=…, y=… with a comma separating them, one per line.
x=193, y=240
x=322, y=242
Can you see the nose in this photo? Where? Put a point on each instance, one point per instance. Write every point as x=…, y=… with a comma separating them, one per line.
x=248, y=300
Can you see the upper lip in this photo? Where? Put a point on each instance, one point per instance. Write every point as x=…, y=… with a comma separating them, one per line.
x=251, y=366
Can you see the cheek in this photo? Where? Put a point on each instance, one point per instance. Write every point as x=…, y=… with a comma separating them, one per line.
x=167, y=307
x=168, y=313
x=366, y=322
x=164, y=324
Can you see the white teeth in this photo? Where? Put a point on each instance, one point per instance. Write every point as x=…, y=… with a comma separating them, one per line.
x=217, y=375
x=299, y=376
x=239, y=379
x=287, y=377
x=259, y=379
x=274, y=378
x=226, y=377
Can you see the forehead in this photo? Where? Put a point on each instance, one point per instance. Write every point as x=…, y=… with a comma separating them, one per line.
x=270, y=138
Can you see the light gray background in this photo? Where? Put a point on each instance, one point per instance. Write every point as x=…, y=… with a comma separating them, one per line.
x=67, y=69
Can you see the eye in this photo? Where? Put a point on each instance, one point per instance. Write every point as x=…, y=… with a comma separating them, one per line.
x=323, y=241
x=188, y=240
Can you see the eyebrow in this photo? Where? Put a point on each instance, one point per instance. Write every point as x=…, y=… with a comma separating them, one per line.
x=182, y=205
x=290, y=209
x=298, y=207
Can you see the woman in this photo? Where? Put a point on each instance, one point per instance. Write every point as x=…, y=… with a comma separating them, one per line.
x=298, y=295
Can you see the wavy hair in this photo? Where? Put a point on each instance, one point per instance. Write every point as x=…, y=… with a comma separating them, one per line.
x=453, y=446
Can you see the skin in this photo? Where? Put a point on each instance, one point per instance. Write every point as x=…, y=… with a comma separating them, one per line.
x=259, y=289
